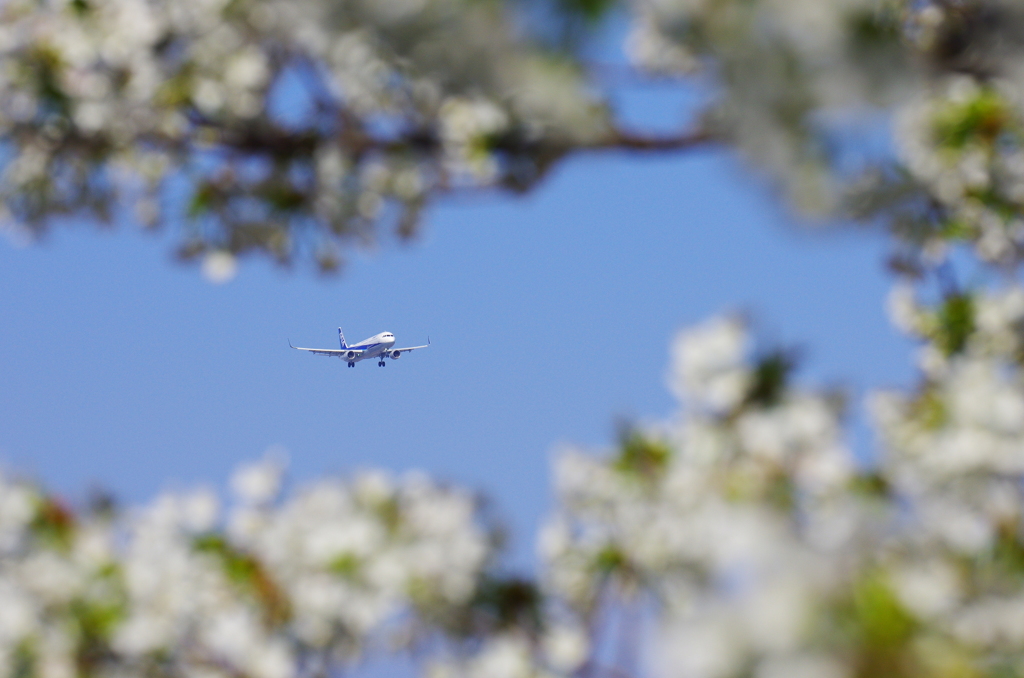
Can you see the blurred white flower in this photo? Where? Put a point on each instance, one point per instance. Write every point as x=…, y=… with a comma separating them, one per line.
x=566, y=648
x=928, y=589
x=260, y=482
x=803, y=666
x=903, y=309
x=708, y=364
x=697, y=650
x=219, y=266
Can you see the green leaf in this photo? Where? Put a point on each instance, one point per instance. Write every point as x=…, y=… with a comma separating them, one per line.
x=981, y=119
x=770, y=379
x=509, y=603
x=346, y=566
x=240, y=568
x=781, y=492
x=1001, y=568
x=956, y=229
x=884, y=624
x=641, y=456
x=590, y=10
x=880, y=631
x=281, y=196
x=876, y=27
x=995, y=201
x=610, y=559
x=53, y=524
x=246, y=572
x=872, y=484
x=390, y=513
x=930, y=410
x=97, y=620
x=955, y=323
x=46, y=65
x=23, y=663
x=202, y=200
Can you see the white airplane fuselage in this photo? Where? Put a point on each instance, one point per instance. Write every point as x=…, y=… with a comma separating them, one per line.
x=369, y=348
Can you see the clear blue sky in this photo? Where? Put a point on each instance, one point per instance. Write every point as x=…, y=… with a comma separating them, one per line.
x=550, y=318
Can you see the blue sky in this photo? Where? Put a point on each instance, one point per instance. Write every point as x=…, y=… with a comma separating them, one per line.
x=550, y=317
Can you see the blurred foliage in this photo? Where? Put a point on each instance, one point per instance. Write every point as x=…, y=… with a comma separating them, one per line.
x=641, y=455
x=303, y=131
x=246, y=572
x=955, y=323
x=770, y=378
x=881, y=629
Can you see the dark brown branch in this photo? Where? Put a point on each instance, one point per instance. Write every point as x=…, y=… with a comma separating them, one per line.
x=273, y=140
x=277, y=142
x=631, y=141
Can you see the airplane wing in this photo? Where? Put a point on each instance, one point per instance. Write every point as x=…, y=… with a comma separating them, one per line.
x=410, y=348
x=325, y=351
x=396, y=351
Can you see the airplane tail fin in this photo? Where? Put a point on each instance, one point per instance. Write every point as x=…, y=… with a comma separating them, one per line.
x=341, y=338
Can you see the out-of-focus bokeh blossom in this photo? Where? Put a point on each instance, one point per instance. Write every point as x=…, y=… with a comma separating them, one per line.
x=739, y=538
x=290, y=128
x=276, y=587
x=299, y=128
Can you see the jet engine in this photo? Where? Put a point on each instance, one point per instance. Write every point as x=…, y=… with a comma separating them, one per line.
x=395, y=354
x=351, y=355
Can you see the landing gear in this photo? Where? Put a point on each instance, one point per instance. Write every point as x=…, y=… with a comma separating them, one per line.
x=381, y=364
x=351, y=364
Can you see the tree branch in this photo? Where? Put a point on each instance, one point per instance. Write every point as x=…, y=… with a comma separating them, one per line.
x=632, y=141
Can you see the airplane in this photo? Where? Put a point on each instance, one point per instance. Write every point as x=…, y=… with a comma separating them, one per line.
x=378, y=346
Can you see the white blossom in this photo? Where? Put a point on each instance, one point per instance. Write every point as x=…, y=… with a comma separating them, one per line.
x=708, y=364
